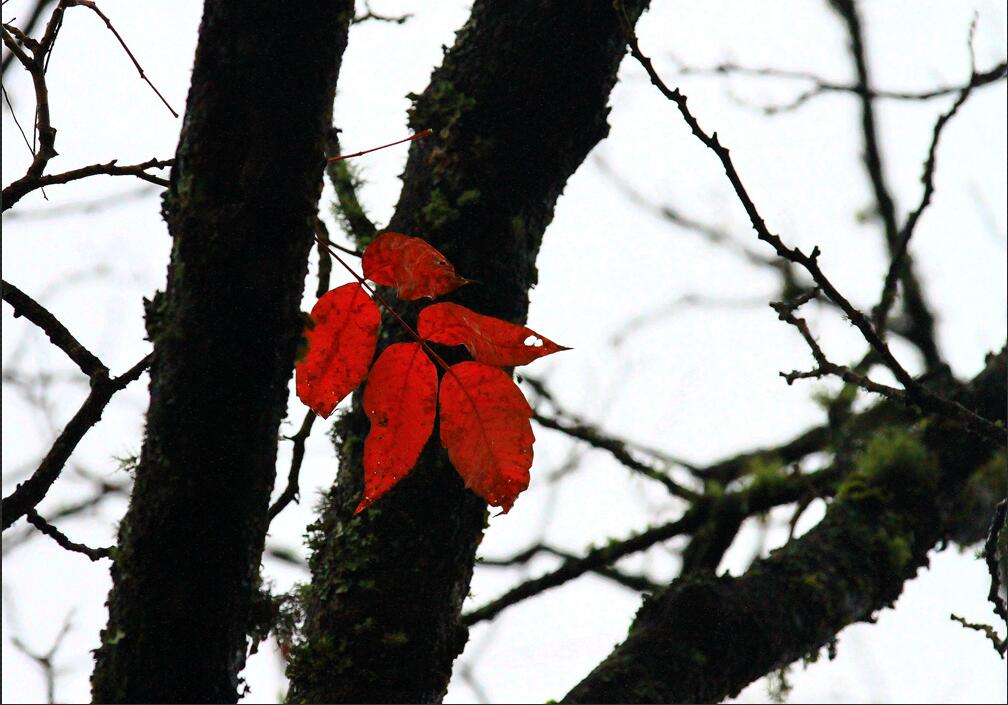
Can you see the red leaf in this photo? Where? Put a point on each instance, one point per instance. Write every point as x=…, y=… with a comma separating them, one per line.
x=341, y=344
x=400, y=400
x=488, y=339
x=485, y=428
x=412, y=266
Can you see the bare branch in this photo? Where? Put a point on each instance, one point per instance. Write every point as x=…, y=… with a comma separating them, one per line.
x=595, y=559
x=26, y=306
x=1000, y=645
x=785, y=311
x=36, y=65
x=95, y=554
x=754, y=499
x=370, y=15
x=821, y=86
x=29, y=493
x=103, y=491
x=43, y=659
x=291, y=491
x=921, y=331
x=916, y=393
x=618, y=449
x=638, y=583
x=26, y=184
x=898, y=258
x=108, y=23
x=38, y=9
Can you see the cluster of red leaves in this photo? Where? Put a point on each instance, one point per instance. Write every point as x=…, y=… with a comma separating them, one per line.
x=484, y=417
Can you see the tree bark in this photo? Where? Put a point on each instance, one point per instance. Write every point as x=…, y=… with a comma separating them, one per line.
x=704, y=638
x=517, y=104
x=243, y=197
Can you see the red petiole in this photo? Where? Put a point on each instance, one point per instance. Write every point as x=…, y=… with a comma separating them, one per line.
x=377, y=297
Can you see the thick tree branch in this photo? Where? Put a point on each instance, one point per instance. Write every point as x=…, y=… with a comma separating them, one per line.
x=704, y=638
x=759, y=497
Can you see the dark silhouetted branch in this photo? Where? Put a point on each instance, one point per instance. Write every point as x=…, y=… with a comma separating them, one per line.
x=822, y=86
x=95, y=554
x=638, y=583
x=618, y=449
x=26, y=306
x=916, y=393
x=291, y=491
x=29, y=493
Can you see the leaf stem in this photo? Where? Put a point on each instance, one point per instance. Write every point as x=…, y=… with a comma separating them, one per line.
x=418, y=136
x=377, y=297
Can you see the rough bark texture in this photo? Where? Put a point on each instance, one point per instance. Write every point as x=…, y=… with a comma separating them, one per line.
x=240, y=208
x=517, y=104
x=704, y=638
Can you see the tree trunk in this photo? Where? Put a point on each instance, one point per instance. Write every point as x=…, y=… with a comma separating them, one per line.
x=517, y=104
x=243, y=196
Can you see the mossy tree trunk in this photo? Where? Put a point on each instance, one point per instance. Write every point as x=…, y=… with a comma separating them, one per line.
x=240, y=210
x=517, y=104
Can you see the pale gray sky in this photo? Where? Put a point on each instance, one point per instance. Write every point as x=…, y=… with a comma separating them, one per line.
x=699, y=384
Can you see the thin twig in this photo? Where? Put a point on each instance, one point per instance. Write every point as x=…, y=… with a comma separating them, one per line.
x=370, y=15
x=899, y=254
x=822, y=86
x=921, y=331
x=43, y=660
x=38, y=9
x=785, y=312
x=95, y=554
x=26, y=184
x=29, y=493
x=591, y=561
x=291, y=491
x=751, y=500
x=108, y=23
x=639, y=583
x=1000, y=645
x=618, y=449
x=916, y=393
x=57, y=333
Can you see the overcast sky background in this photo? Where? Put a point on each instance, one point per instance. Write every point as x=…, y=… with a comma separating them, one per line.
x=699, y=383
